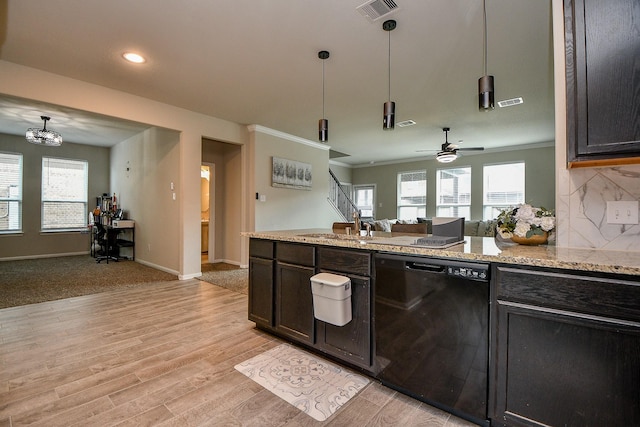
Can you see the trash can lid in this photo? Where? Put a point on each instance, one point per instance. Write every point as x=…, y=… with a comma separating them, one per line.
x=330, y=279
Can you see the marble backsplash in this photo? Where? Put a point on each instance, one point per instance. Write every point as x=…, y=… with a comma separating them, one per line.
x=582, y=203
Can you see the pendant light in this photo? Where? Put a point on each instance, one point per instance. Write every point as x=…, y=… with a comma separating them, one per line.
x=485, y=83
x=44, y=136
x=323, y=124
x=389, y=108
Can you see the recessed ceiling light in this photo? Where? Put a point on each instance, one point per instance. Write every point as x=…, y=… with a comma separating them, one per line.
x=133, y=57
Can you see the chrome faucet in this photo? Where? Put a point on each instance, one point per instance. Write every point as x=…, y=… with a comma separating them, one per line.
x=356, y=219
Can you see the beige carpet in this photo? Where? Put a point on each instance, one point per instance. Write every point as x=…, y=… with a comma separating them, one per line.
x=37, y=280
x=227, y=276
x=315, y=386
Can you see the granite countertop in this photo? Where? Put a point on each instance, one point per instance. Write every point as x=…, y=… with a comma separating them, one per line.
x=485, y=249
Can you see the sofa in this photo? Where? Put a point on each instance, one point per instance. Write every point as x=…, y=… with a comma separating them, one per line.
x=471, y=227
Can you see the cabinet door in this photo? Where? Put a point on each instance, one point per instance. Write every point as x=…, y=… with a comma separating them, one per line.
x=555, y=368
x=603, y=79
x=261, y=291
x=294, y=302
x=351, y=342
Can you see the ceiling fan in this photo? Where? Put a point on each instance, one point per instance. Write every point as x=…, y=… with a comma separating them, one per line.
x=449, y=152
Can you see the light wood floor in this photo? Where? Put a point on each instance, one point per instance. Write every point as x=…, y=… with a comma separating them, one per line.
x=160, y=354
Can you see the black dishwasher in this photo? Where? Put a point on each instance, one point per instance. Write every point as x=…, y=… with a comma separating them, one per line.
x=431, y=329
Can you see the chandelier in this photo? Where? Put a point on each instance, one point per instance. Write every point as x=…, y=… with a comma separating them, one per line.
x=44, y=136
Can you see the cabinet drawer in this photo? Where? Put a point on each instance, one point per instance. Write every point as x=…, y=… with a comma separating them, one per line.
x=610, y=295
x=294, y=253
x=345, y=261
x=261, y=248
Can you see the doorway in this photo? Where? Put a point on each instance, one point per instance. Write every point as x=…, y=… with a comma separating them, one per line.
x=207, y=211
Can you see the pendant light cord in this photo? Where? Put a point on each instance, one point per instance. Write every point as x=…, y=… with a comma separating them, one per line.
x=484, y=13
x=323, y=88
x=389, y=32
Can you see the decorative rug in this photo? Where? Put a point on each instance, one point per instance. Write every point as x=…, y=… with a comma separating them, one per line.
x=227, y=276
x=311, y=384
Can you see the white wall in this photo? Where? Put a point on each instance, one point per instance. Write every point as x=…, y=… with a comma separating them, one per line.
x=285, y=208
x=144, y=192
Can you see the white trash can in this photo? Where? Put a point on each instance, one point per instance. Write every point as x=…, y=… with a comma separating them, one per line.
x=331, y=298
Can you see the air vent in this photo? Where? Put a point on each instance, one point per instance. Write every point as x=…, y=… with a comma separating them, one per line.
x=406, y=123
x=510, y=102
x=377, y=9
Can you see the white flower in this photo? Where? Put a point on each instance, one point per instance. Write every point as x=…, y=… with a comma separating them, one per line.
x=547, y=223
x=525, y=213
x=521, y=229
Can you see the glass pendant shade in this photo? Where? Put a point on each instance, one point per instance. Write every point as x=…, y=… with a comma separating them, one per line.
x=43, y=136
x=323, y=130
x=485, y=93
x=389, y=119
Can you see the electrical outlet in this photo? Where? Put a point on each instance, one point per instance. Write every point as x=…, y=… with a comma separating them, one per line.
x=622, y=212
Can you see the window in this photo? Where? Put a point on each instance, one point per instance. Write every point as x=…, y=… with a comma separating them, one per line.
x=453, y=196
x=64, y=193
x=364, y=199
x=412, y=194
x=503, y=187
x=10, y=192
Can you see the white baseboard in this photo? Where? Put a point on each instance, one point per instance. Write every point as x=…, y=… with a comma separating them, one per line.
x=159, y=267
x=41, y=256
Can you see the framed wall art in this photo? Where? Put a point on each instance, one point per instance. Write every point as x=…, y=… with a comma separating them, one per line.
x=291, y=174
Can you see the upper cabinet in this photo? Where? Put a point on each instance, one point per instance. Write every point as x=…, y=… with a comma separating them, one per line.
x=602, y=42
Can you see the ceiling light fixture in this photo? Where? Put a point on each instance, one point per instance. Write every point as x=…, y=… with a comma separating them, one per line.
x=134, y=57
x=323, y=124
x=389, y=108
x=44, y=136
x=446, y=156
x=485, y=83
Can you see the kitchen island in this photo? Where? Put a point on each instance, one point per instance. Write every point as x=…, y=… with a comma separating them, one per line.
x=563, y=324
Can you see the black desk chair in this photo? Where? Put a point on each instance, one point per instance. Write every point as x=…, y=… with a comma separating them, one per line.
x=106, y=238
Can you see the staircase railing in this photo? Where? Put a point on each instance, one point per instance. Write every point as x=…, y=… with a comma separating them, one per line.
x=340, y=199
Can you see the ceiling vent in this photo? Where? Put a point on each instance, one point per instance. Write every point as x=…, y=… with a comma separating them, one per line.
x=510, y=102
x=377, y=9
x=406, y=123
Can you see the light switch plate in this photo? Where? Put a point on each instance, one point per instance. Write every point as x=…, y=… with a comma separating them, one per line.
x=622, y=212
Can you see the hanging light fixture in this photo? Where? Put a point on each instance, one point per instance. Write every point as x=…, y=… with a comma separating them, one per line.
x=323, y=124
x=485, y=83
x=389, y=108
x=44, y=136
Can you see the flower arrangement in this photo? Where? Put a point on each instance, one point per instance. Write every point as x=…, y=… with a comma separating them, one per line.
x=525, y=221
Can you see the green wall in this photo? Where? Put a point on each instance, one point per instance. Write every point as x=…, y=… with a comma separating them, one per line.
x=539, y=179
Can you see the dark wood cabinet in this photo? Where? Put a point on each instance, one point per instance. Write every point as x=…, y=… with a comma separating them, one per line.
x=353, y=341
x=294, y=302
x=261, y=291
x=566, y=348
x=295, y=265
x=602, y=41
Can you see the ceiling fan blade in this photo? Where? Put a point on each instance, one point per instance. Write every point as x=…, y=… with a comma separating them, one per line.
x=428, y=150
x=471, y=149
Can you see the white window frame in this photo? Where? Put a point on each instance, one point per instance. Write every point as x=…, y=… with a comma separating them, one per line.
x=417, y=210
x=365, y=208
x=47, y=219
x=452, y=208
x=491, y=208
x=11, y=197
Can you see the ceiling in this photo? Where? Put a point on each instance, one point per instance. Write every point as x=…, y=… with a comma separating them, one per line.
x=256, y=62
